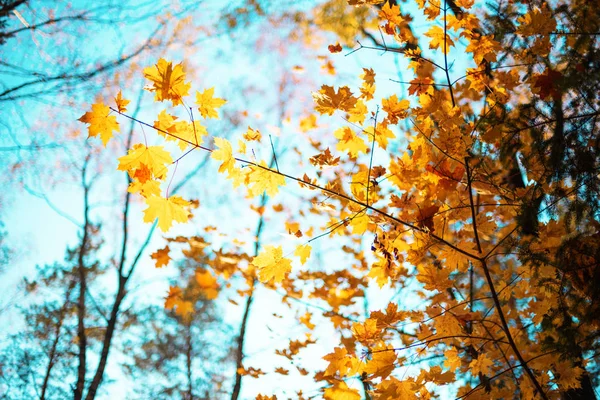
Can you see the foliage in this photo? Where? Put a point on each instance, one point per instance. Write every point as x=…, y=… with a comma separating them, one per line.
x=474, y=184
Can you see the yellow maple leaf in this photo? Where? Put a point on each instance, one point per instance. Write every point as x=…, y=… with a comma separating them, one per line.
x=223, y=153
x=164, y=122
x=155, y=158
x=166, y=210
x=272, y=265
x=168, y=81
x=121, y=102
x=252, y=134
x=161, y=257
x=391, y=14
x=381, y=363
x=358, y=113
x=328, y=100
x=395, y=109
x=100, y=122
x=483, y=48
x=366, y=332
x=146, y=189
x=360, y=223
x=341, y=391
x=303, y=251
x=207, y=104
x=187, y=133
x=382, y=134
x=436, y=33
x=452, y=361
x=481, y=365
x=263, y=179
x=349, y=142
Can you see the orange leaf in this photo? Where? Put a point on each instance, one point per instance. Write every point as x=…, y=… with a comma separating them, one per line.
x=161, y=257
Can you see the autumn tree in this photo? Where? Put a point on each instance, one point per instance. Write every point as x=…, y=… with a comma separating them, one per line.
x=461, y=198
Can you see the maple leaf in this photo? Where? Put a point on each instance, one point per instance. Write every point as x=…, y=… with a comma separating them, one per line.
x=340, y=362
x=224, y=153
x=164, y=123
x=187, y=134
x=146, y=189
x=483, y=48
x=334, y=48
x=161, y=257
x=368, y=76
x=168, y=81
x=366, y=332
x=419, y=86
x=437, y=35
x=481, y=365
x=155, y=158
x=382, y=134
x=328, y=100
x=391, y=13
x=350, y=142
x=250, y=371
x=166, y=210
x=265, y=397
x=173, y=297
x=381, y=363
x=264, y=180
x=548, y=84
x=395, y=109
x=121, y=102
x=207, y=104
x=568, y=375
x=100, y=122
x=341, y=391
x=272, y=265
x=452, y=361
x=358, y=112
x=252, y=134
x=303, y=251
x=207, y=283
x=426, y=215
x=282, y=371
